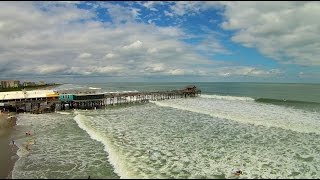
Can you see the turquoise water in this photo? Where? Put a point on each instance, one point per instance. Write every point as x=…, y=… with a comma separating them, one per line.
x=266, y=130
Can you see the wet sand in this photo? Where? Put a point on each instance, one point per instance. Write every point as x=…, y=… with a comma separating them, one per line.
x=8, y=154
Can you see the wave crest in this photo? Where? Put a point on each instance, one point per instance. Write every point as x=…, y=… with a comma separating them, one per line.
x=236, y=98
x=250, y=112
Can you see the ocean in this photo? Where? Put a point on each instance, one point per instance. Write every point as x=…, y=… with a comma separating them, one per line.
x=267, y=130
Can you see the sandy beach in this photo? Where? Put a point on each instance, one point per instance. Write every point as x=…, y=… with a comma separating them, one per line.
x=8, y=152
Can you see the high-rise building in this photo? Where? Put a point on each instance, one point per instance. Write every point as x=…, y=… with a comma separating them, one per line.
x=28, y=83
x=10, y=83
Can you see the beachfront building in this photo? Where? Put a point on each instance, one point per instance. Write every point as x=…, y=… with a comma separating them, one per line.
x=41, y=83
x=10, y=83
x=28, y=83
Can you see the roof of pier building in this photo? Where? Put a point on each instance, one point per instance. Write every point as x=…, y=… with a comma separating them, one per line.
x=25, y=94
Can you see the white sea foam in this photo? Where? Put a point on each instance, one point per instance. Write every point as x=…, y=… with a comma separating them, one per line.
x=60, y=150
x=98, y=136
x=130, y=91
x=160, y=142
x=59, y=112
x=250, y=112
x=94, y=88
x=149, y=141
x=236, y=98
x=111, y=92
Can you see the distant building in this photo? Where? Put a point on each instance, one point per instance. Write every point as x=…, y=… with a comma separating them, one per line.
x=10, y=83
x=42, y=83
x=28, y=83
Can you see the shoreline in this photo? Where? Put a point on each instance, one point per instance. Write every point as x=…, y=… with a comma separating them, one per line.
x=13, y=159
x=8, y=155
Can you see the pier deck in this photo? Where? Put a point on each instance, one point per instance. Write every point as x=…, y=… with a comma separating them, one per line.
x=90, y=100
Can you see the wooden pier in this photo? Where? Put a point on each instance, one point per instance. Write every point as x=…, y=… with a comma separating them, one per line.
x=65, y=100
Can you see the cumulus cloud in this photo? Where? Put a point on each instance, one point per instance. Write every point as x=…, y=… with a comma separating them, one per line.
x=84, y=55
x=158, y=67
x=166, y=13
x=121, y=14
x=181, y=8
x=151, y=4
x=246, y=71
x=152, y=50
x=285, y=31
x=177, y=72
x=50, y=69
x=135, y=45
x=109, y=56
x=185, y=7
x=171, y=31
x=48, y=38
x=211, y=46
x=107, y=69
x=66, y=35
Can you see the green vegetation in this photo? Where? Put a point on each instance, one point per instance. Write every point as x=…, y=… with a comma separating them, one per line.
x=28, y=88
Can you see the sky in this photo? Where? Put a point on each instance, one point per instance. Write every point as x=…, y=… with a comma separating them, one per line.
x=160, y=41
